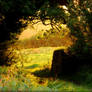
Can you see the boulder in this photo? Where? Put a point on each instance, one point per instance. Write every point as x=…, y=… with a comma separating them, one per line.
x=63, y=63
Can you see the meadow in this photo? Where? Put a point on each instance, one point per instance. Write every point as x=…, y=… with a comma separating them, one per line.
x=31, y=70
x=32, y=73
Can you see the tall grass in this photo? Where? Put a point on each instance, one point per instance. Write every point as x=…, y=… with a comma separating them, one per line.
x=52, y=41
x=21, y=80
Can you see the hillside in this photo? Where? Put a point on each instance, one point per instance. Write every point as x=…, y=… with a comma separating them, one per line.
x=32, y=30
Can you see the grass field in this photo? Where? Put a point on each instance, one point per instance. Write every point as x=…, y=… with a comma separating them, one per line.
x=32, y=73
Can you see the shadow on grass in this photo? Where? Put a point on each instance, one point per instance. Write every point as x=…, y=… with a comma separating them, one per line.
x=32, y=66
x=83, y=77
x=45, y=73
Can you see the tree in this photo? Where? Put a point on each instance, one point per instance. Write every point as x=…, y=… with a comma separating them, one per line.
x=12, y=11
x=79, y=23
x=78, y=18
x=14, y=15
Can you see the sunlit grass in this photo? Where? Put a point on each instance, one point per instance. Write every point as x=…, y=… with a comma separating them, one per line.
x=31, y=72
x=40, y=56
x=35, y=75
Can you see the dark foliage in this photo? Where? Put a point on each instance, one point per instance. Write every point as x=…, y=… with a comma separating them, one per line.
x=12, y=15
x=60, y=2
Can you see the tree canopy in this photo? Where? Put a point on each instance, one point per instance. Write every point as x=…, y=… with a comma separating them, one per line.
x=11, y=12
x=77, y=16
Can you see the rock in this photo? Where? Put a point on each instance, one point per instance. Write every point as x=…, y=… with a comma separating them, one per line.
x=63, y=63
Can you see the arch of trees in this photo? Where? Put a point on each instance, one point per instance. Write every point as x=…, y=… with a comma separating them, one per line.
x=11, y=12
x=78, y=19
